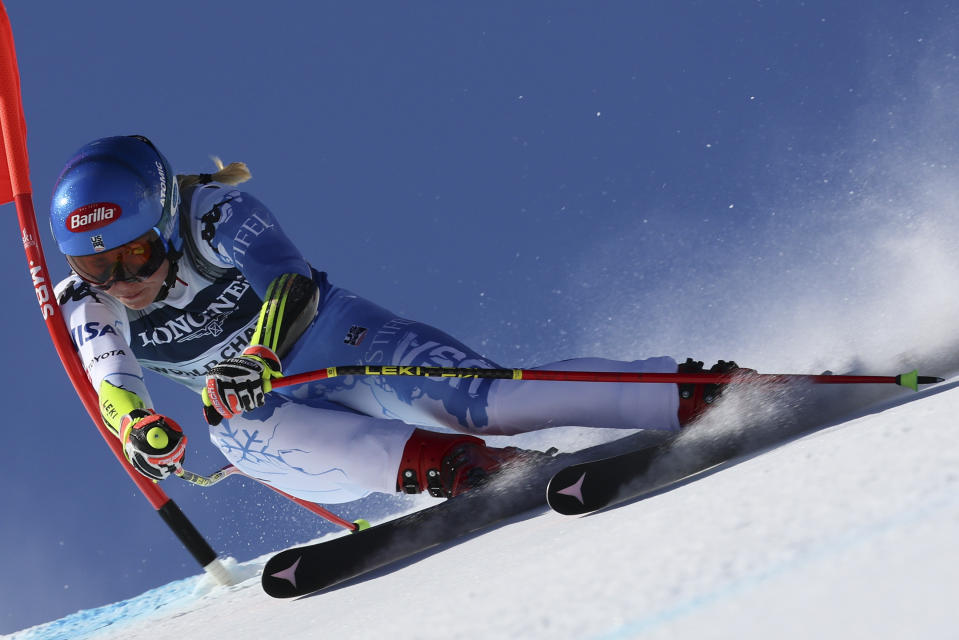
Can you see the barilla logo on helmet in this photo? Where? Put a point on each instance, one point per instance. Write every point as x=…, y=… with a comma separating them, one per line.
x=92, y=216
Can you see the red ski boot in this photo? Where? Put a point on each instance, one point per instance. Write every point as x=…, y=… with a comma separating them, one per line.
x=696, y=399
x=447, y=464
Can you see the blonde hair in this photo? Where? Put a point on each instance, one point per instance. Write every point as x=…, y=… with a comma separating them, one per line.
x=232, y=174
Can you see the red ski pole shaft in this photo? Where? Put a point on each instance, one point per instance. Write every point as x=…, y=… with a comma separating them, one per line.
x=911, y=379
x=320, y=511
x=230, y=470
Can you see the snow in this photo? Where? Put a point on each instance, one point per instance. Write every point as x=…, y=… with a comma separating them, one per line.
x=846, y=532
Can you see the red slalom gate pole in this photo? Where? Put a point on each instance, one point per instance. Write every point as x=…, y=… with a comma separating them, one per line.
x=15, y=187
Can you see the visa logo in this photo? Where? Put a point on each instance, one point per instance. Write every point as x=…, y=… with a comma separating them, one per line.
x=90, y=331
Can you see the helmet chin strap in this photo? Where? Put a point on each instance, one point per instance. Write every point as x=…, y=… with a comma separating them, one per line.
x=174, y=258
x=173, y=255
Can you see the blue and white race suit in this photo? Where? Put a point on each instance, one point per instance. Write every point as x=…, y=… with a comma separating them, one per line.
x=339, y=439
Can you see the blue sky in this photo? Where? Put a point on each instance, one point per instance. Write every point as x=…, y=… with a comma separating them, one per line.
x=541, y=179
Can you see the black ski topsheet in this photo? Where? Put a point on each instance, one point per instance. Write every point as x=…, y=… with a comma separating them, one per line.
x=303, y=570
x=591, y=485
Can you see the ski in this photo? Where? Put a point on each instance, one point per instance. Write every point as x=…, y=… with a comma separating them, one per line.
x=306, y=569
x=591, y=485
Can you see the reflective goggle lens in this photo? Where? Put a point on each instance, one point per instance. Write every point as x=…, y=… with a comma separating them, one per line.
x=131, y=262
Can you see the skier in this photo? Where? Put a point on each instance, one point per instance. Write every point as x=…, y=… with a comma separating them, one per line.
x=194, y=279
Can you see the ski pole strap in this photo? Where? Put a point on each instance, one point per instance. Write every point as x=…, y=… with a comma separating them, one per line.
x=911, y=380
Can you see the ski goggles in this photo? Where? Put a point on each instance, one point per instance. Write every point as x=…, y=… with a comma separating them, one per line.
x=134, y=261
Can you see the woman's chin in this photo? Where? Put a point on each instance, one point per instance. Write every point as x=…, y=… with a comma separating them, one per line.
x=137, y=301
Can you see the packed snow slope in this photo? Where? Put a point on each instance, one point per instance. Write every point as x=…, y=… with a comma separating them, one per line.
x=773, y=183
x=847, y=531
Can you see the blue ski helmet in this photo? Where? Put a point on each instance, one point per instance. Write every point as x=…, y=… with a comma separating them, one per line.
x=112, y=191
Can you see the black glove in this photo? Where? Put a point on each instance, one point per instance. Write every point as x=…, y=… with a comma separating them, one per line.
x=239, y=384
x=153, y=444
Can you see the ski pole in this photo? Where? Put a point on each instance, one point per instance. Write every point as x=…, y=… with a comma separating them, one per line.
x=910, y=380
x=210, y=480
x=229, y=470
